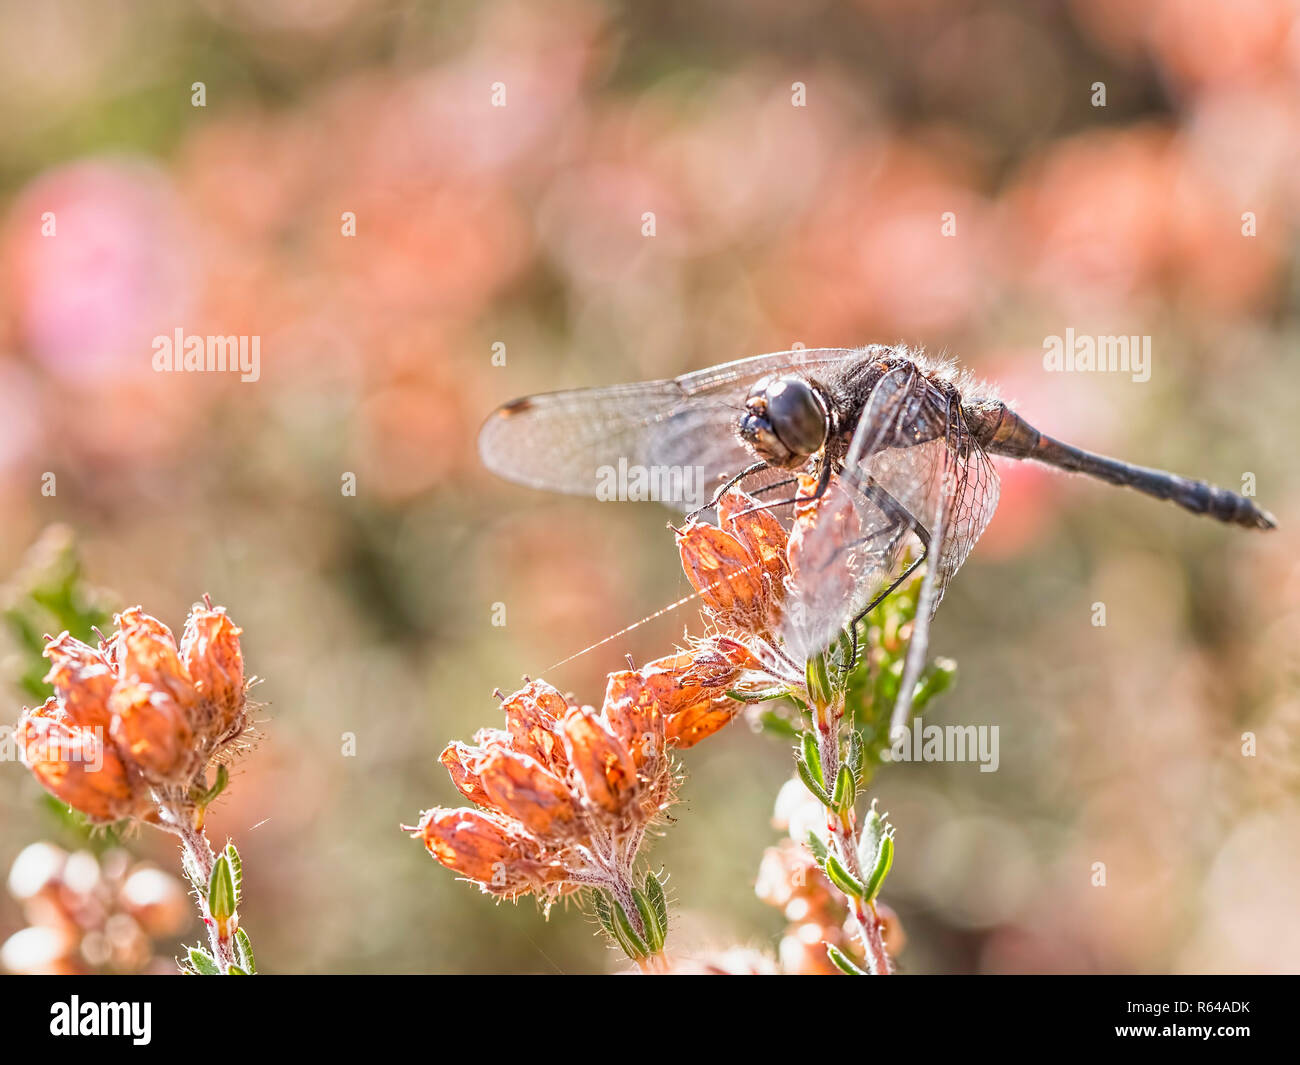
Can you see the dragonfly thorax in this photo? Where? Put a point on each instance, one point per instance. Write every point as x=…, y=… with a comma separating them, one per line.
x=786, y=420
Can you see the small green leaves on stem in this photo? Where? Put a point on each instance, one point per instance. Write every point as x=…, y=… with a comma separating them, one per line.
x=236, y=871
x=842, y=878
x=244, y=952
x=221, y=892
x=854, y=759
x=875, y=851
x=846, y=791
x=652, y=909
x=202, y=963
x=760, y=696
x=811, y=782
x=811, y=757
x=202, y=797
x=817, y=675
x=842, y=962
x=818, y=847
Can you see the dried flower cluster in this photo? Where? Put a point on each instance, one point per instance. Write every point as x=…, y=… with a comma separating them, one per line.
x=761, y=583
x=564, y=793
x=134, y=723
x=91, y=915
x=739, y=565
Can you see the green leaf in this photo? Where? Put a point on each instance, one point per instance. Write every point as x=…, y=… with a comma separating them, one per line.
x=235, y=970
x=842, y=878
x=655, y=893
x=805, y=774
x=884, y=859
x=628, y=937
x=764, y=696
x=221, y=891
x=845, y=790
x=236, y=871
x=203, y=963
x=818, y=679
x=203, y=796
x=244, y=951
x=818, y=847
x=854, y=760
x=654, y=932
x=871, y=841
x=605, y=912
x=812, y=756
x=842, y=962
x=938, y=677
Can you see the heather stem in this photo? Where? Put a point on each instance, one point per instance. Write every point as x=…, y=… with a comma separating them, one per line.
x=844, y=836
x=198, y=866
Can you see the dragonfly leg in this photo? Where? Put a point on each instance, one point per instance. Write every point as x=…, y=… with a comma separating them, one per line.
x=823, y=482
x=774, y=485
x=731, y=483
x=900, y=513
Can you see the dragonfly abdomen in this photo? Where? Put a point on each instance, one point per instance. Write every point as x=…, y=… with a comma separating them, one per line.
x=1001, y=431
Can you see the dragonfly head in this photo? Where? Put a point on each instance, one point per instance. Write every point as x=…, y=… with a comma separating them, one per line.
x=785, y=421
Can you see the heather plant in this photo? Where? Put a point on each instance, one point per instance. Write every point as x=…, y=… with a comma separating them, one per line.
x=564, y=796
x=138, y=729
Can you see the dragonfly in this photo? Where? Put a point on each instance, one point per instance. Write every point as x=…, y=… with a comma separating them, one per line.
x=906, y=439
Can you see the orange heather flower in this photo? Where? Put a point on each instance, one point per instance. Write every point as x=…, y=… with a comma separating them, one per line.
x=76, y=763
x=82, y=680
x=737, y=566
x=148, y=714
x=211, y=655
x=746, y=566
x=485, y=848
x=689, y=690
x=565, y=792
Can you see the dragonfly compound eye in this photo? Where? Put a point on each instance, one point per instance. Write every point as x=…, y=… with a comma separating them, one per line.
x=785, y=421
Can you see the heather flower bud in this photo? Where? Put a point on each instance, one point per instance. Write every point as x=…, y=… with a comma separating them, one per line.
x=531, y=716
x=604, y=766
x=151, y=729
x=760, y=532
x=486, y=849
x=459, y=758
x=728, y=578
x=738, y=566
x=212, y=657
x=75, y=763
x=147, y=654
x=520, y=787
x=82, y=679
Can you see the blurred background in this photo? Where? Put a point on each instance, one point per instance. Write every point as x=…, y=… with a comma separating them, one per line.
x=780, y=219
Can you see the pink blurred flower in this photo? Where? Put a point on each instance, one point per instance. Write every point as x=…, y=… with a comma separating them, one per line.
x=88, y=299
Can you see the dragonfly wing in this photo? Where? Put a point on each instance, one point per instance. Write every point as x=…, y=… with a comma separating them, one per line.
x=912, y=468
x=681, y=432
x=914, y=443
